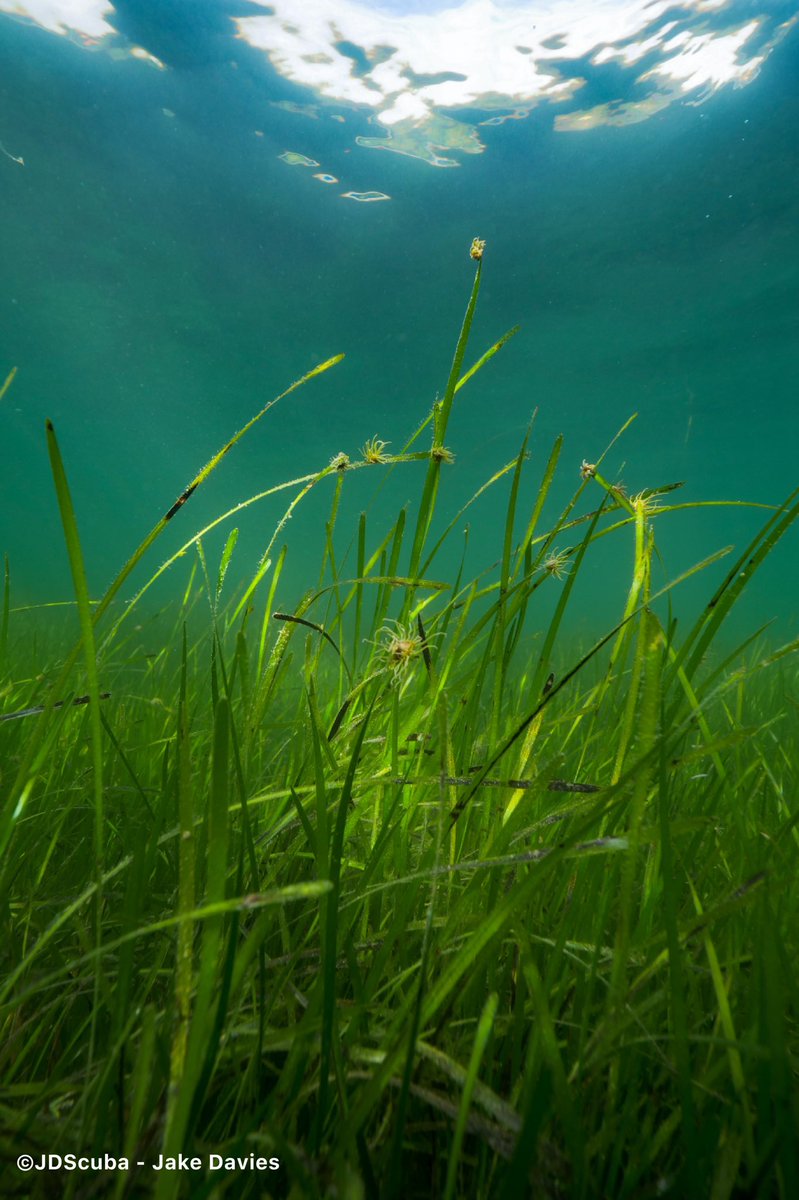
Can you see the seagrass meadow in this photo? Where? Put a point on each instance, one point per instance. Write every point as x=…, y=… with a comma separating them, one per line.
x=406, y=892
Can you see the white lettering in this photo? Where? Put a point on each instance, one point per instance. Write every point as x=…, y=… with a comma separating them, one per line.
x=249, y=1162
x=181, y=1163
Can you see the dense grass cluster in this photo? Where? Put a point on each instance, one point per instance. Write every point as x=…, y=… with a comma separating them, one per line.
x=388, y=889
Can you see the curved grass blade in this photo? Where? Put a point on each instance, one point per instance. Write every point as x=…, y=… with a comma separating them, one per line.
x=318, y=629
x=33, y=749
x=728, y=592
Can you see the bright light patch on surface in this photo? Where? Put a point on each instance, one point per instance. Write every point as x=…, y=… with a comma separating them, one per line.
x=413, y=66
x=408, y=66
x=708, y=61
x=87, y=17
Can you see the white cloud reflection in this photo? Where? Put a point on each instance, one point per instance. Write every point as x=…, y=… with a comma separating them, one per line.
x=413, y=65
x=87, y=17
x=504, y=54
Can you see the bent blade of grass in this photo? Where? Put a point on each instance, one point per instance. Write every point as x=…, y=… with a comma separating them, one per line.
x=278, y=616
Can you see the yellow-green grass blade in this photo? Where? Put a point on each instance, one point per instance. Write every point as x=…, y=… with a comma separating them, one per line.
x=8, y=382
x=484, y=358
x=224, y=563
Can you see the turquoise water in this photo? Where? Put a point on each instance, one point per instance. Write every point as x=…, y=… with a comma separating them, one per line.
x=165, y=272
